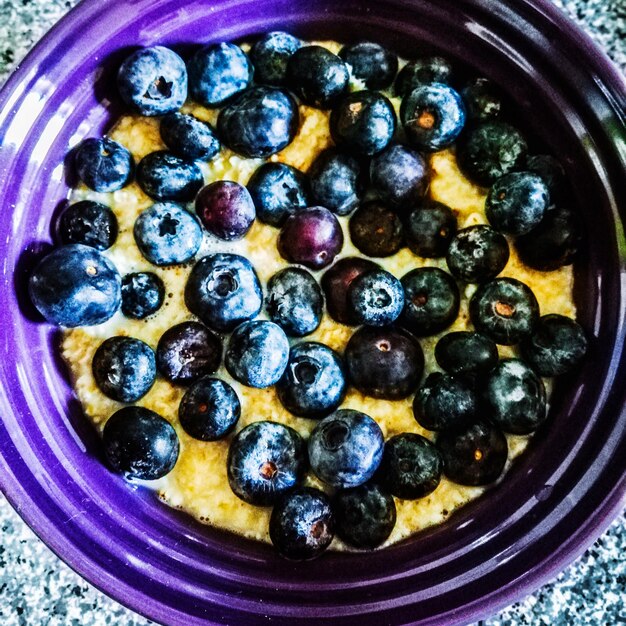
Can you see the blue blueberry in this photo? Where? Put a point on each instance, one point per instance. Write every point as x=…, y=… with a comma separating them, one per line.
x=188, y=137
x=153, y=81
x=345, y=448
x=363, y=123
x=429, y=229
x=278, y=190
x=142, y=294
x=217, y=73
x=370, y=62
x=365, y=515
x=376, y=230
x=551, y=172
x=164, y=176
x=167, y=234
x=433, y=116
x=431, y=301
x=400, y=177
x=124, y=368
x=466, y=353
x=384, y=363
x=295, y=301
x=504, y=310
x=482, y=102
x=411, y=467
x=477, y=254
x=515, y=397
x=188, y=351
x=302, y=524
x=556, y=347
x=209, y=409
x=517, y=202
x=376, y=298
x=257, y=353
x=223, y=290
x=90, y=223
x=75, y=285
x=225, y=209
x=103, y=164
x=314, y=383
x=337, y=181
x=421, y=72
x=265, y=461
x=259, y=122
x=270, y=56
x=317, y=76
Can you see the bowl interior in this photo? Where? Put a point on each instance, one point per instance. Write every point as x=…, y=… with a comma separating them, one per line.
x=171, y=568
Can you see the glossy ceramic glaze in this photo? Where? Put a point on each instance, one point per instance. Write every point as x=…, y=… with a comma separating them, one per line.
x=556, y=500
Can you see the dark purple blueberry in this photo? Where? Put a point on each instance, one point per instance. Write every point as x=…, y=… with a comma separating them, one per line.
x=270, y=56
x=312, y=237
x=188, y=137
x=103, y=164
x=551, y=172
x=225, y=209
x=370, y=62
x=188, y=351
x=376, y=298
x=429, y=229
x=139, y=443
x=376, y=230
x=164, y=176
x=482, y=101
x=466, y=353
x=421, y=72
x=336, y=284
x=384, y=363
x=142, y=294
x=90, y=223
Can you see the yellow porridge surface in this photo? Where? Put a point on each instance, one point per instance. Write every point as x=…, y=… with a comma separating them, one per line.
x=198, y=484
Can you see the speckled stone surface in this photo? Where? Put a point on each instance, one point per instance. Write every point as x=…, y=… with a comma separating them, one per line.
x=37, y=589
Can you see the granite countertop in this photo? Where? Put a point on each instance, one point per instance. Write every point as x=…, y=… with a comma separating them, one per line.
x=37, y=589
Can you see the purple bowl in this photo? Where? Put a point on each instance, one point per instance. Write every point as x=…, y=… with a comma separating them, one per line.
x=556, y=499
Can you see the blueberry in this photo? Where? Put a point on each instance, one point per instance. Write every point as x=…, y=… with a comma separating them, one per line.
x=370, y=62
x=337, y=182
x=278, y=190
x=505, y=310
x=188, y=137
x=363, y=123
x=365, y=515
x=217, y=73
x=223, y=290
x=265, y=461
x=345, y=448
x=124, y=368
x=431, y=301
x=225, y=209
x=103, y=164
x=433, y=116
x=477, y=254
x=167, y=234
x=257, y=353
x=164, y=176
x=429, y=229
x=482, y=102
x=294, y=301
x=399, y=176
x=376, y=298
x=421, y=72
x=317, y=76
x=557, y=345
x=142, y=294
x=517, y=202
x=259, y=122
x=209, y=409
x=312, y=237
x=139, y=443
x=490, y=150
x=384, y=363
x=474, y=455
x=514, y=397
x=553, y=243
x=411, y=467
x=90, y=223
x=153, y=81
x=302, y=524
x=314, y=383
x=188, y=351
x=270, y=56
x=336, y=284
x=376, y=230
x=444, y=402
x=75, y=285
x=466, y=353
x=550, y=171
